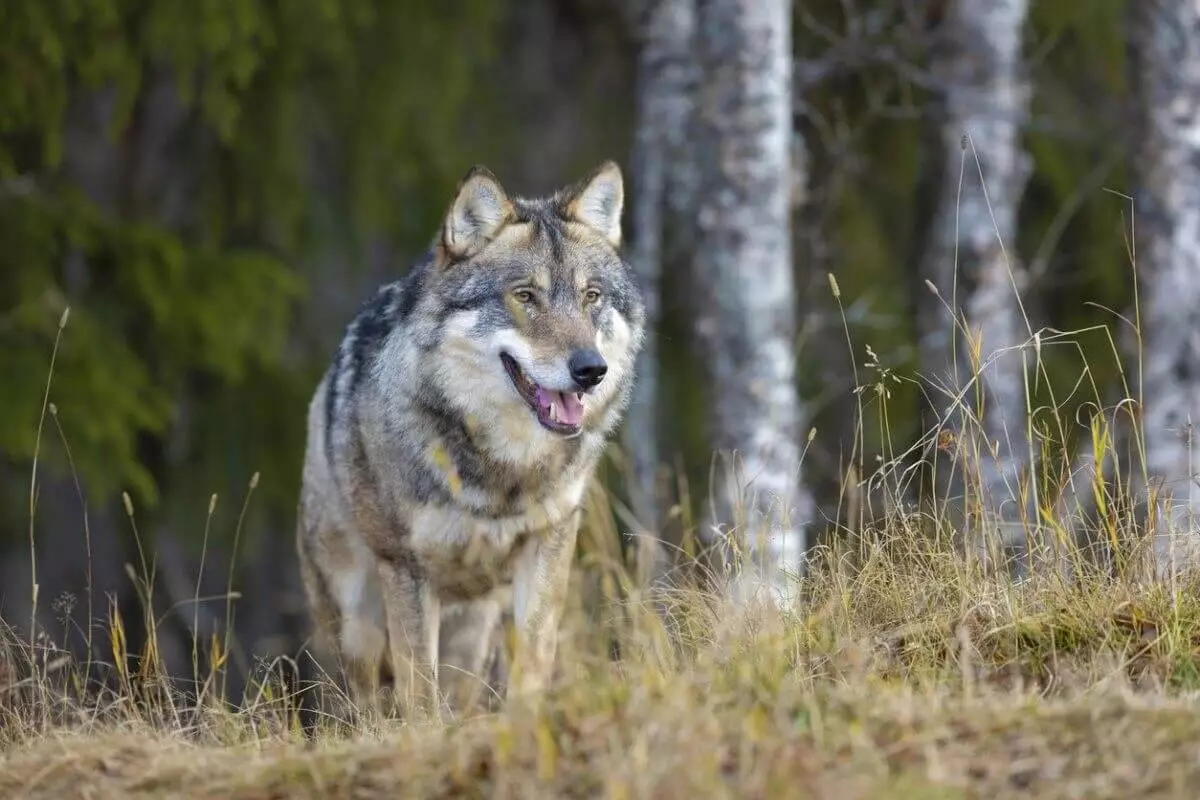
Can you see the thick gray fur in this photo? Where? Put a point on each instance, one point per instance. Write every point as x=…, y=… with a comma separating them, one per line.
x=432, y=497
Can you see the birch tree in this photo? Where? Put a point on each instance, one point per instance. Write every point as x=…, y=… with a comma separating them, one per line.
x=1167, y=226
x=970, y=262
x=665, y=78
x=745, y=324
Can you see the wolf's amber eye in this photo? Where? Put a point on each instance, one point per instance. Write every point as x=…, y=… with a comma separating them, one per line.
x=591, y=296
x=523, y=296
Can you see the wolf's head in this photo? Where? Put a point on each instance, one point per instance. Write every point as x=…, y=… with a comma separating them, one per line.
x=542, y=318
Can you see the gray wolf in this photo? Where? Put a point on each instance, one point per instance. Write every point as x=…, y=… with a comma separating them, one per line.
x=452, y=438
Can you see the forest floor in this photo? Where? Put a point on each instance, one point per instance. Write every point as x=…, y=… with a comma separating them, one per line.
x=907, y=674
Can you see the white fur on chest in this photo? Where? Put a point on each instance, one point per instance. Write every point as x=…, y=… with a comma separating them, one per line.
x=451, y=532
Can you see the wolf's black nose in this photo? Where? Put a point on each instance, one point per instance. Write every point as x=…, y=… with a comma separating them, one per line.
x=587, y=368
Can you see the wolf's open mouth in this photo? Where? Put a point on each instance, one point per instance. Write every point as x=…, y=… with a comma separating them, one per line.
x=561, y=412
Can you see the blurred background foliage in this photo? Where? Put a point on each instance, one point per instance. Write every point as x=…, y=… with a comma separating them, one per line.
x=174, y=172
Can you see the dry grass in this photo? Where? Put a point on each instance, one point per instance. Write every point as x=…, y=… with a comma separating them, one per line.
x=910, y=673
x=679, y=743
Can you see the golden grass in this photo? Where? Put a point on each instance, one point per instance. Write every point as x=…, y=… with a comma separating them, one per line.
x=910, y=674
x=678, y=743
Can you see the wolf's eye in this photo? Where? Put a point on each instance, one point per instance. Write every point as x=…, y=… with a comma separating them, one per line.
x=591, y=296
x=523, y=296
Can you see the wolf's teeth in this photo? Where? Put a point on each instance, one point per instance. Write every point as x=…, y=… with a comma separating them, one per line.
x=580, y=396
x=553, y=411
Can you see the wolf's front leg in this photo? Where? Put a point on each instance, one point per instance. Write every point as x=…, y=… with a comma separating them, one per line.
x=413, y=618
x=466, y=650
x=539, y=594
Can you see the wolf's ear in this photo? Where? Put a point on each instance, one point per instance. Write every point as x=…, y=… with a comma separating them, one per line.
x=598, y=201
x=479, y=211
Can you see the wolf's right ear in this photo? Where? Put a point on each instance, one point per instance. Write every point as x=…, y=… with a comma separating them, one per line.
x=480, y=209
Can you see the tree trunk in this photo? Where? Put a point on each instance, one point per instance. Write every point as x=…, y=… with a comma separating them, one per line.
x=665, y=79
x=1167, y=214
x=980, y=405
x=746, y=324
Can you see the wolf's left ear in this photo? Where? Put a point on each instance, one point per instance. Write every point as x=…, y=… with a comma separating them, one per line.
x=480, y=209
x=598, y=201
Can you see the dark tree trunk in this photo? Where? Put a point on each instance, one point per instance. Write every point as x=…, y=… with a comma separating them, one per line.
x=666, y=75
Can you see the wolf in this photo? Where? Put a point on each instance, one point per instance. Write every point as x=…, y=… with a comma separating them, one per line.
x=451, y=440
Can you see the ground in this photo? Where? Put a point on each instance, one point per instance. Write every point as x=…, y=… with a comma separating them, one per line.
x=888, y=743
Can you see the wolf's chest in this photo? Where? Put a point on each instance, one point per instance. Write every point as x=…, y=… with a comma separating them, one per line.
x=468, y=553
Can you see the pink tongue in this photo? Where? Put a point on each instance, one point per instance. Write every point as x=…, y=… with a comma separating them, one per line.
x=567, y=408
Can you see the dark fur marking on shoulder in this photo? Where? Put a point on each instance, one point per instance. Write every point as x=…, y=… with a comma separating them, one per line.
x=410, y=293
x=370, y=328
x=374, y=320
x=331, y=401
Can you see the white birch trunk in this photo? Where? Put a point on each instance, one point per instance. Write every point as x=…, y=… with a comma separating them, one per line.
x=746, y=323
x=1167, y=226
x=971, y=260
x=666, y=75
